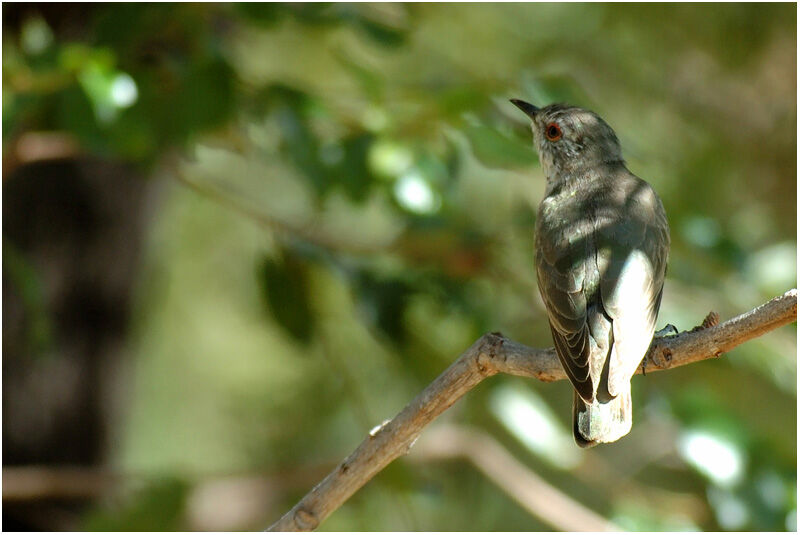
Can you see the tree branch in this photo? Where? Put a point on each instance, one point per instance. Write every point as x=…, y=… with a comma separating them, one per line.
x=519, y=482
x=309, y=232
x=492, y=354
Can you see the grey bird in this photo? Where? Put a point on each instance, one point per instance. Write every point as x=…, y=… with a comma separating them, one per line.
x=602, y=241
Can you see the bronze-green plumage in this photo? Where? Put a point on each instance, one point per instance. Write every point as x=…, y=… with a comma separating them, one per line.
x=602, y=241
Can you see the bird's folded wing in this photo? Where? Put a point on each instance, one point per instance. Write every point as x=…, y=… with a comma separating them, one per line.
x=632, y=259
x=561, y=255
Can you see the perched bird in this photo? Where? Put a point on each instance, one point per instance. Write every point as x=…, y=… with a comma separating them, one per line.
x=602, y=241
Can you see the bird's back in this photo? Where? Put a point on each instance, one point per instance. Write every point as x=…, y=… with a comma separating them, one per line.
x=601, y=251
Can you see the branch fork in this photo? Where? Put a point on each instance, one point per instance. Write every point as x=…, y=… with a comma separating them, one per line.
x=493, y=353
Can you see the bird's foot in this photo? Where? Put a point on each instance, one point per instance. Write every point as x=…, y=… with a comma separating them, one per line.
x=663, y=358
x=668, y=330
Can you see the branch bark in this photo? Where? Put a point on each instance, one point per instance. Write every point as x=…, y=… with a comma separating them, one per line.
x=492, y=354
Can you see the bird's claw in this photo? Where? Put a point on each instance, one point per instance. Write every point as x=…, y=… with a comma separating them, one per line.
x=668, y=330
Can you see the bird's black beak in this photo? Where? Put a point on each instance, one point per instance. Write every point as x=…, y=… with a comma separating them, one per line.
x=529, y=109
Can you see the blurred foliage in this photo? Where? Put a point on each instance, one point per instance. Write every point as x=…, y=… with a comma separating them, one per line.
x=158, y=507
x=355, y=206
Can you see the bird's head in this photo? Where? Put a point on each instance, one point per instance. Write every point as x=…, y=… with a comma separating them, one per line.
x=570, y=139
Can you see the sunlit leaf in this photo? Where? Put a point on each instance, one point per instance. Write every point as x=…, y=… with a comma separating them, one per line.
x=497, y=150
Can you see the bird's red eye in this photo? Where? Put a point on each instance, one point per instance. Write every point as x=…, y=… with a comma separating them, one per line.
x=552, y=132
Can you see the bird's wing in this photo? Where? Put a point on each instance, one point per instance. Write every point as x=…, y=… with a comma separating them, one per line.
x=563, y=245
x=632, y=239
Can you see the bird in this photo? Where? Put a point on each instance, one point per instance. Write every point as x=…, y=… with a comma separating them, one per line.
x=601, y=247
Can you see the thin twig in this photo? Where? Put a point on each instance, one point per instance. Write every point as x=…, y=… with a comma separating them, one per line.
x=28, y=483
x=309, y=232
x=492, y=354
x=532, y=492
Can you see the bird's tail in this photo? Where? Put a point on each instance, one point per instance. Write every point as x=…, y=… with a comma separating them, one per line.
x=595, y=423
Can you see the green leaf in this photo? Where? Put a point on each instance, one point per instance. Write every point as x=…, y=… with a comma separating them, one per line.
x=353, y=173
x=381, y=33
x=284, y=287
x=497, y=150
x=264, y=14
x=382, y=301
x=206, y=97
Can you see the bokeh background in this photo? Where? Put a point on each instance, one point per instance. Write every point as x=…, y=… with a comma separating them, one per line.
x=237, y=237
